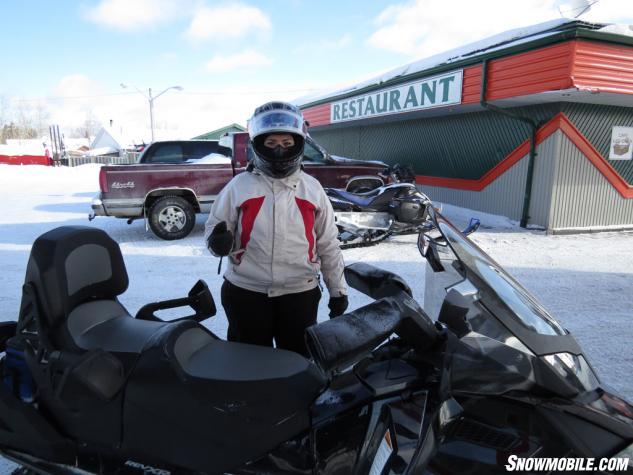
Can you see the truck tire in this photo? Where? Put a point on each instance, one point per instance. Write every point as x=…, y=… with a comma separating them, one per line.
x=171, y=217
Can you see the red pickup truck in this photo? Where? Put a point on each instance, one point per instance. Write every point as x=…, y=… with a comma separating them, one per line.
x=175, y=180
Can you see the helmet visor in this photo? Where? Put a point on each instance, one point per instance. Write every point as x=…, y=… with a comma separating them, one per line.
x=276, y=121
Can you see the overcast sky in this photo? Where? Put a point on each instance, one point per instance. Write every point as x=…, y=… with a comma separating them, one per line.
x=69, y=58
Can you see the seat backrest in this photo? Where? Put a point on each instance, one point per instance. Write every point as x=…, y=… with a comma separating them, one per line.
x=71, y=265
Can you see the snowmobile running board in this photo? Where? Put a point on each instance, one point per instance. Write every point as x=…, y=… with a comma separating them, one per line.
x=359, y=241
x=42, y=467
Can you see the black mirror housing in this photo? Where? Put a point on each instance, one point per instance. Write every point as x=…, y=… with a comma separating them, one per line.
x=375, y=282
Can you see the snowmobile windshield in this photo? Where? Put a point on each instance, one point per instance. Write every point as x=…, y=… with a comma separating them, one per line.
x=483, y=271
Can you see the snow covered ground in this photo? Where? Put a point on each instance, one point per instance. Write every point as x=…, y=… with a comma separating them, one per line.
x=586, y=280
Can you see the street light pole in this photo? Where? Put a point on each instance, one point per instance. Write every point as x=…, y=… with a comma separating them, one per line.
x=151, y=112
x=151, y=100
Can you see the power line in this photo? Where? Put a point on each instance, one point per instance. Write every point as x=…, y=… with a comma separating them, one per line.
x=191, y=93
x=62, y=98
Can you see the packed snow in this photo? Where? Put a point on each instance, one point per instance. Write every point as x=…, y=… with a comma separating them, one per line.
x=585, y=280
x=211, y=159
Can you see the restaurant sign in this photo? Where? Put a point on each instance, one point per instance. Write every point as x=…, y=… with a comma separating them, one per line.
x=437, y=91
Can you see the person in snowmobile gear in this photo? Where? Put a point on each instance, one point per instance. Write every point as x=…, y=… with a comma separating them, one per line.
x=280, y=227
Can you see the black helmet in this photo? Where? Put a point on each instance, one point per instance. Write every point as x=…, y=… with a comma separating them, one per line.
x=277, y=118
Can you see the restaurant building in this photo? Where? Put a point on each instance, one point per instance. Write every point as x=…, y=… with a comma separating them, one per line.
x=535, y=124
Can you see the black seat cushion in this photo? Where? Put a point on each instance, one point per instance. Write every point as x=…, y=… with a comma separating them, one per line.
x=69, y=266
x=224, y=402
x=106, y=324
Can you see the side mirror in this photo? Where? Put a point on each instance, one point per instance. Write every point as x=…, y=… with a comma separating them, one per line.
x=427, y=245
x=472, y=226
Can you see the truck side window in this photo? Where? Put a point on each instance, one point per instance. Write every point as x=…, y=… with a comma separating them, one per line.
x=170, y=153
x=312, y=155
x=202, y=149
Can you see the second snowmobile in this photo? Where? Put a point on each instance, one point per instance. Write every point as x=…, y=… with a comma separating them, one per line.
x=368, y=218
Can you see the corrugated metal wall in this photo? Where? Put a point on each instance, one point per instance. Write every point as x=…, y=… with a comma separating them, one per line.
x=506, y=194
x=344, y=142
x=461, y=146
x=596, y=123
x=568, y=191
x=582, y=198
x=543, y=180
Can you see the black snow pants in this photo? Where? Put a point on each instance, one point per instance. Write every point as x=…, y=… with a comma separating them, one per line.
x=257, y=319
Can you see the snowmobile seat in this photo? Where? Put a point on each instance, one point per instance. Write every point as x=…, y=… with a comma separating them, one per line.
x=75, y=274
x=224, y=401
x=360, y=199
x=198, y=354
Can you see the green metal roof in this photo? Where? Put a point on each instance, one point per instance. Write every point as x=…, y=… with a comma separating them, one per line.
x=216, y=134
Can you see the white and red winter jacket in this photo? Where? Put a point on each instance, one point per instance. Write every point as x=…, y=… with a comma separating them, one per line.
x=284, y=234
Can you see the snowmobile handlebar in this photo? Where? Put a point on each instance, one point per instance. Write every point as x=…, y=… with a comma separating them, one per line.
x=344, y=340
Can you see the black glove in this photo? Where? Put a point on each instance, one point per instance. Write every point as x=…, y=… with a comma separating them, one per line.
x=221, y=240
x=338, y=305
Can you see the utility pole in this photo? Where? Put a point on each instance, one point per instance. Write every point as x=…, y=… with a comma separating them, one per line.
x=151, y=100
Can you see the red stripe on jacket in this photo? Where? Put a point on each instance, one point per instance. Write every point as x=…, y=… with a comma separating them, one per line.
x=307, y=211
x=250, y=209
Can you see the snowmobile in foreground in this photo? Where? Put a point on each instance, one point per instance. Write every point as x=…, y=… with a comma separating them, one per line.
x=367, y=218
x=493, y=382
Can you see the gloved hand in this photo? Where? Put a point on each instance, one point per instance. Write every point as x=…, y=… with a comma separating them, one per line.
x=338, y=305
x=220, y=241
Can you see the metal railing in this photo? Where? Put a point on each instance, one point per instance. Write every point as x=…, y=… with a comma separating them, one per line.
x=124, y=158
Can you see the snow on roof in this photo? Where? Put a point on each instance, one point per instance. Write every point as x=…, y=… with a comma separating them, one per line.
x=116, y=135
x=624, y=30
x=95, y=152
x=493, y=43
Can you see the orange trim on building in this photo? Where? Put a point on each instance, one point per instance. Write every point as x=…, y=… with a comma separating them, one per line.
x=595, y=158
x=558, y=122
x=471, y=85
x=603, y=67
x=586, y=65
x=517, y=154
x=540, y=70
x=318, y=115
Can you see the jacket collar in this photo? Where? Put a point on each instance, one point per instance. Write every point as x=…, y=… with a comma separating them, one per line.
x=290, y=181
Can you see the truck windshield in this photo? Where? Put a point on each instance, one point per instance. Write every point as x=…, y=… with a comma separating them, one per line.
x=312, y=154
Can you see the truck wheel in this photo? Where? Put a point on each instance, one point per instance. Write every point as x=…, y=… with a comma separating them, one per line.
x=171, y=217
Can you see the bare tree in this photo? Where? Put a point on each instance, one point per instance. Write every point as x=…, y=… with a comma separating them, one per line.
x=89, y=128
x=24, y=120
x=41, y=118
